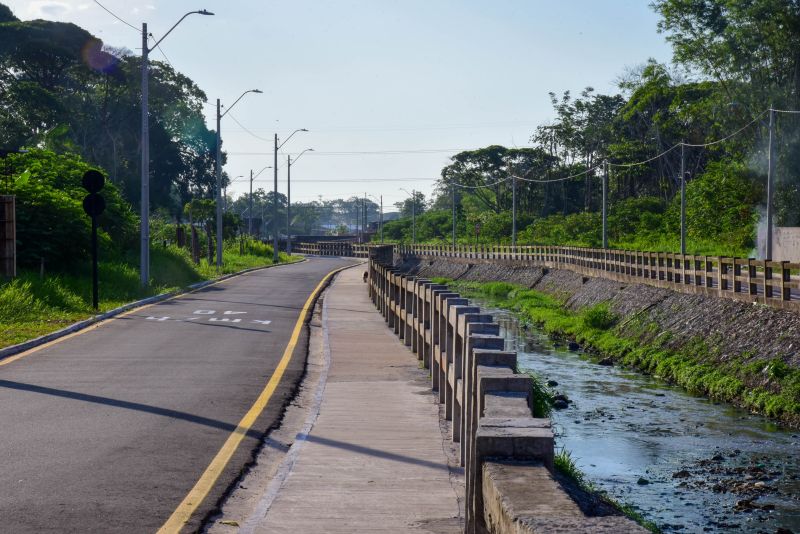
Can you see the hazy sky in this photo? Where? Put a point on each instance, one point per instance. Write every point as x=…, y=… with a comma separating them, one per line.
x=388, y=89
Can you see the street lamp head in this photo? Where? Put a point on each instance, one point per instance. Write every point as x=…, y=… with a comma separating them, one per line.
x=259, y=91
x=303, y=130
x=204, y=12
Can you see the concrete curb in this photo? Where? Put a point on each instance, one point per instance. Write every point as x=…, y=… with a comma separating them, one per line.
x=253, y=521
x=80, y=325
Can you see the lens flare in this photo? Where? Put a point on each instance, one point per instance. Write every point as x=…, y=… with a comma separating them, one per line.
x=96, y=58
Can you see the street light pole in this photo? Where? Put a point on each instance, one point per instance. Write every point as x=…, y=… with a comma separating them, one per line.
x=381, y=223
x=413, y=216
x=683, y=200
x=144, y=249
x=770, y=183
x=144, y=259
x=250, y=208
x=219, y=172
x=275, y=206
x=513, y=212
x=289, y=198
x=454, y=215
x=605, y=205
x=275, y=256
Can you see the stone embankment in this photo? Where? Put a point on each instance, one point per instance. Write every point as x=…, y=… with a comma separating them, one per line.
x=725, y=331
x=506, y=452
x=736, y=328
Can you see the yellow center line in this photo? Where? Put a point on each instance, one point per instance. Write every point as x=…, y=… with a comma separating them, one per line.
x=203, y=486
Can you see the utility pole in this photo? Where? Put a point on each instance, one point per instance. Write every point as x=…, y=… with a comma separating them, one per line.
x=454, y=214
x=605, y=205
x=513, y=212
x=219, y=187
x=275, y=207
x=366, y=219
x=144, y=260
x=413, y=216
x=288, y=204
x=250, y=208
x=683, y=199
x=381, y=223
x=770, y=183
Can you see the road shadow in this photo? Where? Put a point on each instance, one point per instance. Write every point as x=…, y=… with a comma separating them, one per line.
x=374, y=452
x=127, y=405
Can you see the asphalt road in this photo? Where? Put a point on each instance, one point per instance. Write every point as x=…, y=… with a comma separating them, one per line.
x=109, y=430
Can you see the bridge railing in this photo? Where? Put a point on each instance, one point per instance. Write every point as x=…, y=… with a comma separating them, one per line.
x=334, y=248
x=490, y=405
x=774, y=283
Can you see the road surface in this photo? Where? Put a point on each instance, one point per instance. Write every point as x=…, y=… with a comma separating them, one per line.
x=111, y=429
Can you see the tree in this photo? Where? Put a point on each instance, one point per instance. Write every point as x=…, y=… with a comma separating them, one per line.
x=65, y=90
x=203, y=212
x=412, y=205
x=51, y=224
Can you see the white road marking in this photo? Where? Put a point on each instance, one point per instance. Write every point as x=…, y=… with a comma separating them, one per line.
x=225, y=320
x=261, y=322
x=204, y=312
x=151, y=318
x=233, y=313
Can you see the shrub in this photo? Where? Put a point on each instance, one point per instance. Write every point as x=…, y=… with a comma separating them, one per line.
x=599, y=317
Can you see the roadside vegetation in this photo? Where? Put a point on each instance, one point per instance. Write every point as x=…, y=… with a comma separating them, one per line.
x=692, y=366
x=53, y=286
x=31, y=305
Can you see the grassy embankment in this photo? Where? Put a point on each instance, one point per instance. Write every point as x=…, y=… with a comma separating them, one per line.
x=693, y=366
x=31, y=306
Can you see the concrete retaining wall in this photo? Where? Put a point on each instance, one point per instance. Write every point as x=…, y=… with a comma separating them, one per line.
x=507, y=453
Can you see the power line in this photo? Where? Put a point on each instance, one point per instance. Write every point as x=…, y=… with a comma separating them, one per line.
x=362, y=152
x=417, y=128
x=117, y=17
x=251, y=133
x=162, y=52
x=354, y=180
x=737, y=132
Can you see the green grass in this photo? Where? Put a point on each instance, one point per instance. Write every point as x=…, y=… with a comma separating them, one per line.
x=565, y=465
x=31, y=306
x=771, y=388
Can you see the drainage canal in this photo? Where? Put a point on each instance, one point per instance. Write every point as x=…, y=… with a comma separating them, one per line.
x=686, y=463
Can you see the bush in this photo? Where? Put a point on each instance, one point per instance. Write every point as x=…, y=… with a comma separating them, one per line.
x=599, y=317
x=51, y=223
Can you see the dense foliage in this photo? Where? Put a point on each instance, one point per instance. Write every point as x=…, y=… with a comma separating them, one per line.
x=51, y=224
x=65, y=90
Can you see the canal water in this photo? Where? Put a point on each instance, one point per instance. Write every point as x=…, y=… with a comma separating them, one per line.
x=686, y=463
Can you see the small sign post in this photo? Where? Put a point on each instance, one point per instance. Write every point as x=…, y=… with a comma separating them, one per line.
x=94, y=204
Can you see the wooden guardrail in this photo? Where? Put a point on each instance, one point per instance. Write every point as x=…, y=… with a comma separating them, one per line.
x=772, y=283
x=488, y=402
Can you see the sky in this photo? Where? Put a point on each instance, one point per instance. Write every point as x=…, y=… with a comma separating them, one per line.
x=388, y=90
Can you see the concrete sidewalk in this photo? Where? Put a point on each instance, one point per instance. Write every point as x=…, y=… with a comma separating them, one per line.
x=376, y=459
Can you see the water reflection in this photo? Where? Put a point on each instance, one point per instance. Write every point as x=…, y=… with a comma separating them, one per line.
x=687, y=463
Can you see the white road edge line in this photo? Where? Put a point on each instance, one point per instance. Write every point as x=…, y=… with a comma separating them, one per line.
x=285, y=469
